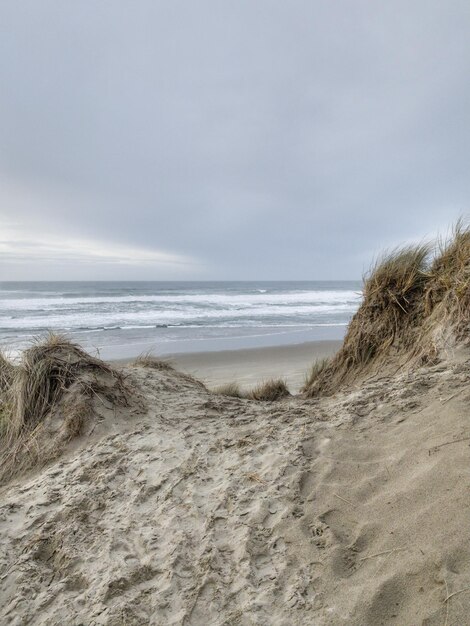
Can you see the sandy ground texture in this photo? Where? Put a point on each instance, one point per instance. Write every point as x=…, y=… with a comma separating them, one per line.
x=196, y=509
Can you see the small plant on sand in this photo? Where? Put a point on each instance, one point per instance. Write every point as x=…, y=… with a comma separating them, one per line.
x=153, y=362
x=269, y=391
x=150, y=361
x=229, y=389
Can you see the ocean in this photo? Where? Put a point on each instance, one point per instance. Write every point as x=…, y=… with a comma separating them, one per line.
x=124, y=319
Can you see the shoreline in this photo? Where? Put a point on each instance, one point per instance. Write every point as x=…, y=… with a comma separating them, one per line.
x=250, y=366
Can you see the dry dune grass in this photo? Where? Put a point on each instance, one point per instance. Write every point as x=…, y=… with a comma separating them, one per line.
x=149, y=360
x=46, y=370
x=267, y=391
x=449, y=282
x=34, y=390
x=270, y=391
x=7, y=370
x=232, y=390
x=411, y=296
x=317, y=368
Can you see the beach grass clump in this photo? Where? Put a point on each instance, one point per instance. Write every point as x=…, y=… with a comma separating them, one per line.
x=416, y=303
x=449, y=286
x=232, y=390
x=388, y=316
x=392, y=294
x=7, y=372
x=45, y=372
x=395, y=285
x=270, y=391
x=46, y=399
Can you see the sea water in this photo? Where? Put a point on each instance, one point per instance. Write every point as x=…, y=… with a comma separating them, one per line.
x=124, y=319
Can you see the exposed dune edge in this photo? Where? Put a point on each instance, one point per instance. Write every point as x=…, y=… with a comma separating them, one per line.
x=190, y=508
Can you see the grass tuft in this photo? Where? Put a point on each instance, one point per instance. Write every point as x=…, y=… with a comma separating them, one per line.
x=149, y=360
x=269, y=391
x=229, y=389
x=316, y=370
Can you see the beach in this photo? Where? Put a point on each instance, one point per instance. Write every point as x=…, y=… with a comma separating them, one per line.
x=252, y=366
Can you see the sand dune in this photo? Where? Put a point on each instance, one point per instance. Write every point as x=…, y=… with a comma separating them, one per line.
x=189, y=508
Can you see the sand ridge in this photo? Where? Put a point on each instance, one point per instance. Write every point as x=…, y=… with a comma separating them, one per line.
x=199, y=509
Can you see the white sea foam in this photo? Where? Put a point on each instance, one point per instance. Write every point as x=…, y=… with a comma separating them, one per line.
x=109, y=312
x=218, y=300
x=154, y=317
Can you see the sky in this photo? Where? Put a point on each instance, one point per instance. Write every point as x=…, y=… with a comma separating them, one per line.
x=228, y=140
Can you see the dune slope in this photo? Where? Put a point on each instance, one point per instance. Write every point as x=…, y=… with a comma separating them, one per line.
x=190, y=508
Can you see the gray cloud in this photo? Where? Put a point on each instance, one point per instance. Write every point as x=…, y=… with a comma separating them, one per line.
x=262, y=139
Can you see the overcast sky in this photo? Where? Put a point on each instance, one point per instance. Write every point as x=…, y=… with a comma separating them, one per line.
x=228, y=139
